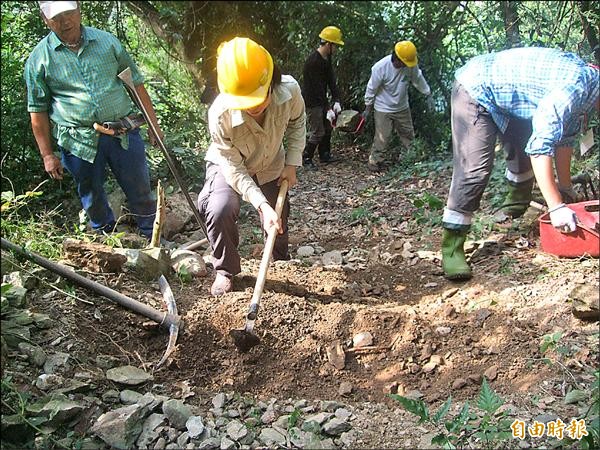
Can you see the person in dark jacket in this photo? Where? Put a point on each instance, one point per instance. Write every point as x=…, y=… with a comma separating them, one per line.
x=318, y=75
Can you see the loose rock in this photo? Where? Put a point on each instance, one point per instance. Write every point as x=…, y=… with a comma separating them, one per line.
x=128, y=375
x=363, y=339
x=177, y=413
x=120, y=428
x=194, y=426
x=491, y=373
x=345, y=388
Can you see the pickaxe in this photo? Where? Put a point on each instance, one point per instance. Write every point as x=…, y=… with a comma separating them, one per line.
x=127, y=79
x=168, y=319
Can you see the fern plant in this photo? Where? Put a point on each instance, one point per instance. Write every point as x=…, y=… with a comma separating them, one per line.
x=485, y=423
x=592, y=417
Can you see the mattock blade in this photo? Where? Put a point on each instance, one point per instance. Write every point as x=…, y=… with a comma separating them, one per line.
x=169, y=300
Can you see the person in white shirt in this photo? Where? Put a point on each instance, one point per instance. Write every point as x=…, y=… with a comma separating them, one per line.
x=387, y=93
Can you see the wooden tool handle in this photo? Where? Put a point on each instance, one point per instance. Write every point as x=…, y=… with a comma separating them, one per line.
x=281, y=197
x=264, y=263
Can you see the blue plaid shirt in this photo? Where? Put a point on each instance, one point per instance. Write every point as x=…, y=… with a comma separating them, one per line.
x=547, y=86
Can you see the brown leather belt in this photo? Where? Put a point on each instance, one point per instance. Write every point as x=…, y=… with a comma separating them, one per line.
x=121, y=126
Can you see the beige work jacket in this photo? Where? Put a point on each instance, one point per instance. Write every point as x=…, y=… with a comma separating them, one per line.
x=244, y=149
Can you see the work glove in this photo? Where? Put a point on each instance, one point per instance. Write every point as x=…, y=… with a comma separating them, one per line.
x=337, y=108
x=331, y=117
x=271, y=222
x=563, y=219
x=366, y=112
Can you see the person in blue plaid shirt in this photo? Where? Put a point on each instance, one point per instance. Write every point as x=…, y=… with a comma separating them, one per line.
x=534, y=100
x=72, y=84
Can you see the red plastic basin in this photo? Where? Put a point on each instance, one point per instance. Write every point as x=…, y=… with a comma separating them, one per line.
x=572, y=245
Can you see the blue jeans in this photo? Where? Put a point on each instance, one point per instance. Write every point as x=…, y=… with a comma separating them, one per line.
x=130, y=169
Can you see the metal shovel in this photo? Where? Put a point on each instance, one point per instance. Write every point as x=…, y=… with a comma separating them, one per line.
x=245, y=338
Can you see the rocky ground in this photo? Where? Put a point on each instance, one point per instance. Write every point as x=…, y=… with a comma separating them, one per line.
x=360, y=312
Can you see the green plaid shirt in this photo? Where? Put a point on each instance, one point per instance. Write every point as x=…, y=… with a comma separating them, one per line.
x=78, y=89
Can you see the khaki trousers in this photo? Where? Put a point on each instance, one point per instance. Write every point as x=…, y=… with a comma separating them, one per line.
x=385, y=123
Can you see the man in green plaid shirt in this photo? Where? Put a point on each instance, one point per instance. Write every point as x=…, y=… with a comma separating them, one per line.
x=72, y=83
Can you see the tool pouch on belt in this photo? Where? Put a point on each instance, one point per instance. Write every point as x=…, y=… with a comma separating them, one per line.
x=122, y=126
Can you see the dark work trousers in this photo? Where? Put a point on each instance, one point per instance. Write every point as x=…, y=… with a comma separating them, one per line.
x=318, y=133
x=474, y=135
x=130, y=169
x=220, y=206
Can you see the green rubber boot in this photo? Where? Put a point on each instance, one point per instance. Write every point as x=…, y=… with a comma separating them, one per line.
x=518, y=198
x=454, y=262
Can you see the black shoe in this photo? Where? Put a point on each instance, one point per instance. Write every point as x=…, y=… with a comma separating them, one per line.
x=328, y=159
x=308, y=164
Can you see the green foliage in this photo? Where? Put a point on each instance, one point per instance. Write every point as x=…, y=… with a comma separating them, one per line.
x=6, y=287
x=294, y=418
x=427, y=208
x=486, y=427
x=506, y=264
x=184, y=274
x=35, y=230
x=17, y=403
x=592, y=416
x=177, y=52
x=425, y=199
x=359, y=213
x=114, y=239
x=416, y=407
x=550, y=341
x=21, y=29
x=363, y=214
x=12, y=202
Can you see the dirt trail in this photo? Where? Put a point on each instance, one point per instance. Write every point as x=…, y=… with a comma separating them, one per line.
x=389, y=284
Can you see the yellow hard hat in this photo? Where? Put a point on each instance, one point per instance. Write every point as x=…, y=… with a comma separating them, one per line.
x=407, y=53
x=332, y=34
x=244, y=73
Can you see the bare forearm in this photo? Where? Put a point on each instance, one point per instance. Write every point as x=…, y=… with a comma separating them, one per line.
x=563, y=157
x=40, y=125
x=544, y=175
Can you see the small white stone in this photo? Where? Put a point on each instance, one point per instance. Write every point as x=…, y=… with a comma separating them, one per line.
x=363, y=339
x=443, y=331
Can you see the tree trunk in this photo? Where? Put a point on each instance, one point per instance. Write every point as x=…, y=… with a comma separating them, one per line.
x=151, y=17
x=511, y=23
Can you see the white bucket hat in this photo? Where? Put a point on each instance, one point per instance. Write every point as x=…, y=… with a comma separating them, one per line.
x=52, y=9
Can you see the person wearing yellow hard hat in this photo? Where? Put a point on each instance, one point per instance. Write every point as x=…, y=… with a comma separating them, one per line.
x=387, y=94
x=257, y=107
x=318, y=76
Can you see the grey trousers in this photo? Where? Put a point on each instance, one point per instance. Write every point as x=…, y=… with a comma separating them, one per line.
x=385, y=123
x=474, y=135
x=220, y=206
